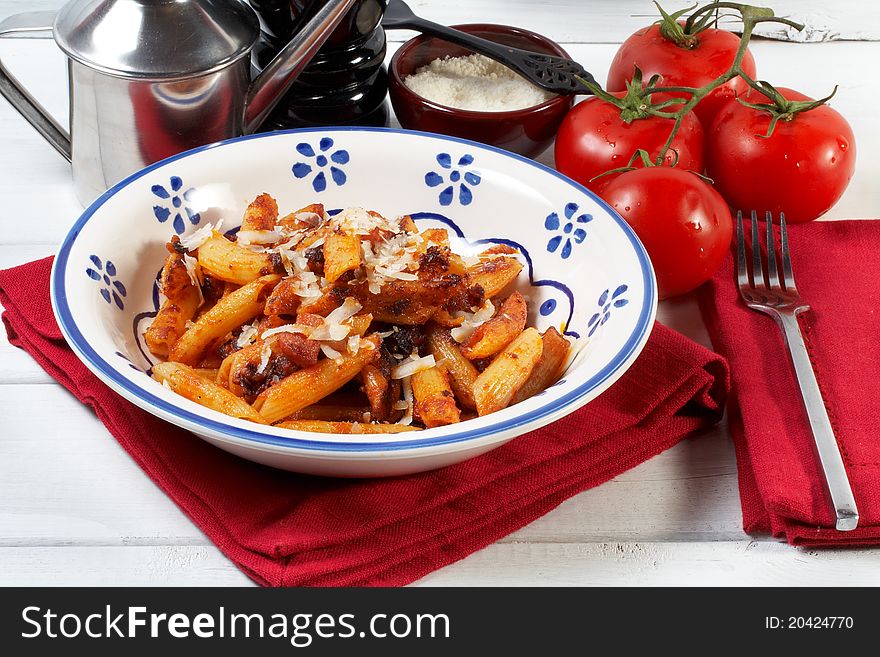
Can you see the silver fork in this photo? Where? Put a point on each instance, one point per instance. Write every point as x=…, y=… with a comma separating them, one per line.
x=779, y=298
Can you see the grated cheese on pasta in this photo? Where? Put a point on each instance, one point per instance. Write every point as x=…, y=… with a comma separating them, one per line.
x=472, y=321
x=247, y=336
x=412, y=365
x=194, y=240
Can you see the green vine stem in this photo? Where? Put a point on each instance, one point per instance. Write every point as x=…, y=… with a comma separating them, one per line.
x=637, y=102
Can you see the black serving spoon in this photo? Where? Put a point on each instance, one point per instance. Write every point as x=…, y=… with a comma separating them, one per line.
x=555, y=74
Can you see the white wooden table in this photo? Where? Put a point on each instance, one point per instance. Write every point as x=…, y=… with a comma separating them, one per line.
x=74, y=509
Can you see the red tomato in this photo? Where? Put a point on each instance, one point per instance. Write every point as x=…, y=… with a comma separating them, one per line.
x=654, y=54
x=594, y=139
x=684, y=224
x=802, y=169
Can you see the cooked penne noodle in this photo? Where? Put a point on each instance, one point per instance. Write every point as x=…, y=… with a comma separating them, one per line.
x=434, y=400
x=322, y=426
x=548, y=368
x=284, y=300
x=408, y=225
x=170, y=322
x=342, y=253
x=462, y=373
x=186, y=381
x=444, y=318
x=308, y=386
x=377, y=385
x=228, y=314
x=233, y=263
x=303, y=218
x=180, y=306
x=261, y=214
x=493, y=335
x=332, y=412
x=498, y=383
x=207, y=373
x=495, y=274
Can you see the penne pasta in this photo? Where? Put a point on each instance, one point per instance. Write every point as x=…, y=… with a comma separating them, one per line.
x=207, y=373
x=462, y=373
x=548, y=369
x=180, y=306
x=303, y=218
x=498, y=383
x=322, y=426
x=187, y=382
x=492, y=336
x=228, y=313
x=233, y=263
x=308, y=386
x=332, y=412
x=261, y=214
x=495, y=274
x=342, y=253
x=434, y=400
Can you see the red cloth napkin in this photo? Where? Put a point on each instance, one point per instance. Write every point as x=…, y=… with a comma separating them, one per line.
x=283, y=529
x=835, y=265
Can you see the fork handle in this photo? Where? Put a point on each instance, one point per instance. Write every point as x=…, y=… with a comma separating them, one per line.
x=823, y=434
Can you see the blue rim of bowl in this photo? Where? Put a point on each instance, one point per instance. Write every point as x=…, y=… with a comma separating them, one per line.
x=68, y=326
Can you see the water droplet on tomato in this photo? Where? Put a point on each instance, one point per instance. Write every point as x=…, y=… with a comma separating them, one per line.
x=626, y=209
x=842, y=143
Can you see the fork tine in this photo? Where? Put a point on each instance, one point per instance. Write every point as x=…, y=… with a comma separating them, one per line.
x=757, y=266
x=787, y=273
x=772, y=272
x=742, y=268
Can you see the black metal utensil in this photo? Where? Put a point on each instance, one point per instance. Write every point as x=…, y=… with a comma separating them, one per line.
x=555, y=74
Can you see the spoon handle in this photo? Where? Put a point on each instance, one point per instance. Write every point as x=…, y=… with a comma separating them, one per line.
x=555, y=74
x=399, y=17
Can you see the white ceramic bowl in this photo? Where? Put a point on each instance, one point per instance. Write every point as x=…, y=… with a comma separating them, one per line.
x=586, y=273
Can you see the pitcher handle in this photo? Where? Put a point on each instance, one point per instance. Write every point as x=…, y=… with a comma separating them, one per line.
x=18, y=96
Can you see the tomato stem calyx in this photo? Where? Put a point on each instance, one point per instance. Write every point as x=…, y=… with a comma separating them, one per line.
x=780, y=108
x=680, y=33
x=636, y=103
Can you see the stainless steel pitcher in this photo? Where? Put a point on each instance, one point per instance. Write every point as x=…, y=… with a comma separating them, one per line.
x=151, y=78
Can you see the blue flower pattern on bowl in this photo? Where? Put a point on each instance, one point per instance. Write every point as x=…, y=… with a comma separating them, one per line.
x=606, y=303
x=338, y=157
x=178, y=202
x=112, y=291
x=571, y=229
x=461, y=176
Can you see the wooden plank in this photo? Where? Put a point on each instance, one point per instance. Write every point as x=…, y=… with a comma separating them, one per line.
x=93, y=493
x=167, y=565
x=607, y=21
x=734, y=563
x=740, y=563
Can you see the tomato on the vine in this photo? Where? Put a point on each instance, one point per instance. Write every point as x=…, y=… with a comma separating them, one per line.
x=801, y=169
x=696, y=61
x=594, y=138
x=682, y=221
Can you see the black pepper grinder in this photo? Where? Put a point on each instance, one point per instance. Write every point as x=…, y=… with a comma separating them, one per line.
x=346, y=83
